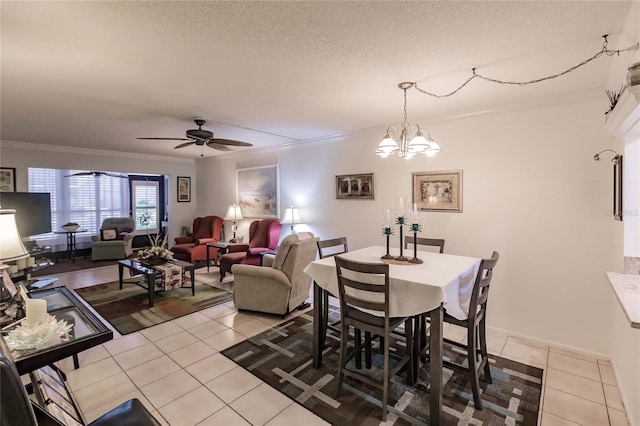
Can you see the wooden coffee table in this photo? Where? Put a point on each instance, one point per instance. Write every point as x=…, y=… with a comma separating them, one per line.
x=135, y=267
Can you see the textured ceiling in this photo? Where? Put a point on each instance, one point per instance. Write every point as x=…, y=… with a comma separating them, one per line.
x=101, y=74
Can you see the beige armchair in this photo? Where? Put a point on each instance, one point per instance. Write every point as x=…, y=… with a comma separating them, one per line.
x=282, y=287
x=115, y=239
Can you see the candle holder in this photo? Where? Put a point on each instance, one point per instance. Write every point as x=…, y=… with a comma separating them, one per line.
x=387, y=231
x=415, y=228
x=401, y=221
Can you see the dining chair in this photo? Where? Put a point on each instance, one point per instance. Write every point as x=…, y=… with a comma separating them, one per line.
x=475, y=323
x=434, y=242
x=363, y=290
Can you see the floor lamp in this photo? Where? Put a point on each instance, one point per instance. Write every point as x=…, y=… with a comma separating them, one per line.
x=234, y=213
x=11, y=248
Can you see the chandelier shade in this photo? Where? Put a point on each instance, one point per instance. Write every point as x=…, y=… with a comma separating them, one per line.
x=409, y=140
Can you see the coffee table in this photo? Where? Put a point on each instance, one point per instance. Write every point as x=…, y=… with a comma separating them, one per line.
x=136, y=267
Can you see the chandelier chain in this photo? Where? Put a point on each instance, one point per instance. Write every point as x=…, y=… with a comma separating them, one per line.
x=604, y=51
x=405, y=122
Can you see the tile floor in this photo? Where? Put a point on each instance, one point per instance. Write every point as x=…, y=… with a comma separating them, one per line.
x=176, y=370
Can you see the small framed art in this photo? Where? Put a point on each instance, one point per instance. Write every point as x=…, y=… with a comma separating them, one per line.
x=184, y=189
x=438, y=191
x=7, y=179
x=359, y=187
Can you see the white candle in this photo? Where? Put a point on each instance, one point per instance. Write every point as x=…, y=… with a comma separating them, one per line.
x=22, y=263
x=36, y=311
x=13, y=269
x=415, y=207
x=30, y=262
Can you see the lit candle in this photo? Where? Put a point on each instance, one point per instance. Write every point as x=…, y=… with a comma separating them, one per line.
x=36, y=311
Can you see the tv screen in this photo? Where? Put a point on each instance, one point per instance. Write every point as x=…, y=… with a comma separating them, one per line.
x=33, y=211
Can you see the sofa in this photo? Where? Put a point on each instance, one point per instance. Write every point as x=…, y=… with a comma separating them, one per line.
x=282, y=287
x=263, y=237
x=115, y=239
x=193, y=248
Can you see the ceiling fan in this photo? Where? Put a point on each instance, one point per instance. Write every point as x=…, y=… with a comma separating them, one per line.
x=98, y=174
x=202, y=137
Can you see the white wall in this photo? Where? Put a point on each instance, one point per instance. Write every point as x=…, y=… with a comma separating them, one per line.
x=531, y=191
x=180, y=214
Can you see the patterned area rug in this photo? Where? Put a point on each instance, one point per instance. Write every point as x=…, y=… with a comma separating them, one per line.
x=282, y=357
x=127, y=310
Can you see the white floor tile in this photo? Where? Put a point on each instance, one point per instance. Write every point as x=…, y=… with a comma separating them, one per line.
x=101, y=393
x=296, y=415
x=575, y=409
x=160, y=331
x=261, y=404
x=210, y=367
x=137, y=356
x=226, y=416
x=575, y=385
x=207, y=328
x=125, y=343
x=153, y=370
x=224, y=340
x=188, y=321
x=169, y=388
x=233, y=384
x=175, y=341
x=92, y=373
x=191, y=408
x=192, y=353
x=574, y=365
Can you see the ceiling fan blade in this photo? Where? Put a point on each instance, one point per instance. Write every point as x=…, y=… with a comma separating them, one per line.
x=80, y=174
x=229, y=142
x=114, y=175
x=219, y=147
x=166, y=139
x=182, y=145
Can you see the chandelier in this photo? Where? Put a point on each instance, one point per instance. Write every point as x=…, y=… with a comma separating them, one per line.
x=401, y=143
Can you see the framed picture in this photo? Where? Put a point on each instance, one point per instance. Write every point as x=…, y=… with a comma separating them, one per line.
x=359, y=187
x=184, y=189
x=7, y=179
x=258, y=191
x=617, y=188
x=438, y=191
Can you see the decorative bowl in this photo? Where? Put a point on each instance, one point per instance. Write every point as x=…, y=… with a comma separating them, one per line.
x=70, y=228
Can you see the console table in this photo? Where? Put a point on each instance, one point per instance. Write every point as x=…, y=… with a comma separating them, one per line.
x=87, y=331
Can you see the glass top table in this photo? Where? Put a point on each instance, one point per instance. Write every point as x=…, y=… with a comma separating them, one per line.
x=87, y=331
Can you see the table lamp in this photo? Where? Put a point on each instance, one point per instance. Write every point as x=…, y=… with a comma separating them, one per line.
x=11, y=247
x=234, y=214
x=291, y=217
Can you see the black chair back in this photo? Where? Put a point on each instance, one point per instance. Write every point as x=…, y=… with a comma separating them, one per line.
x=332, y=247
x=434, y=242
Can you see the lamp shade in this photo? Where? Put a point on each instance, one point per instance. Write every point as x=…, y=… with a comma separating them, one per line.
x=291, y=216
x=11, y=247
x=233, y=213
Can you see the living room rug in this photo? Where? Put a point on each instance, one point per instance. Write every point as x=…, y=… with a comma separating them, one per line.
x=282, y=357
x=127, y=310
x=65, y=265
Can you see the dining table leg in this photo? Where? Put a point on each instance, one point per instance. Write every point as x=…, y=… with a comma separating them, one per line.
x=318, y=321
x=435, y=366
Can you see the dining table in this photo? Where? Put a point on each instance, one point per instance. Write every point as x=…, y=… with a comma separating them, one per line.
x=441, y=281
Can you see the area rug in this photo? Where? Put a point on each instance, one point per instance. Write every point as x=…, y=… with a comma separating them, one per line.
x=282, y=357
x=62, y=266
x=127, y=310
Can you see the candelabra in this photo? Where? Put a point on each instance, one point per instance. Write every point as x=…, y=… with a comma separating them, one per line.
x=415, y=228
x=387, y=231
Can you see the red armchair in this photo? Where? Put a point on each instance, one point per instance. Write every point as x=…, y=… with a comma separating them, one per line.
x=263, y=236
x=193, y=248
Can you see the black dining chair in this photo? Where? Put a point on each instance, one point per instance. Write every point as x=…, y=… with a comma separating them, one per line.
x=475, y=323
x=364, y=305
x=433, y=242
x=328, y=248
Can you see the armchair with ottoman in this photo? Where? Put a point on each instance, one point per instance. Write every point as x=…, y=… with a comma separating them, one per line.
x=115, y=239
x=284, y=286
x=263, y=236
x=193, y=248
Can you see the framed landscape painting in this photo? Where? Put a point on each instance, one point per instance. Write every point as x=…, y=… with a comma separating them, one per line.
x=438, y=191
x=258, y=191
x=359, y=187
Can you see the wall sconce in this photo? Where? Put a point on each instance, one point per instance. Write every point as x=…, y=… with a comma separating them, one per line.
x=291, y=217
x=617, y=182
x=234, y=213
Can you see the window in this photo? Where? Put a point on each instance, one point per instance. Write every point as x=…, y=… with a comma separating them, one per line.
x=146, y=203
x=86, y=200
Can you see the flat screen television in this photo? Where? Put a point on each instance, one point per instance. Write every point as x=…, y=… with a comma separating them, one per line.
x=33, y=211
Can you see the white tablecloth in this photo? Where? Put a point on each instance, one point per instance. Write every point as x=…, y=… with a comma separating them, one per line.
x=414, y=288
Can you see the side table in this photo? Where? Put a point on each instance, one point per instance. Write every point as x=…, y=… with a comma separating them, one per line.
x=71, y=242
x=222, y=246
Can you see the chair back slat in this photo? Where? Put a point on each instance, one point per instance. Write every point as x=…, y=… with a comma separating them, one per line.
x=433, y=242
x=332, y=247
x=481, y=286
x=363, y=285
